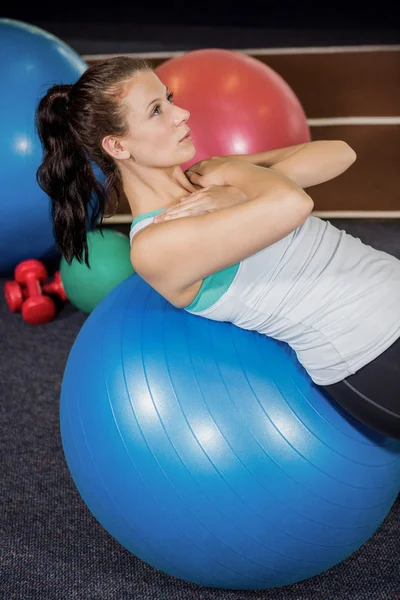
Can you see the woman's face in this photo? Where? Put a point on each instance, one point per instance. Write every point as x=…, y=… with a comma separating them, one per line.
x=156, y=124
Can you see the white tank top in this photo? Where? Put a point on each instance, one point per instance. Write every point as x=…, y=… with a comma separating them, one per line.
x=333, y=299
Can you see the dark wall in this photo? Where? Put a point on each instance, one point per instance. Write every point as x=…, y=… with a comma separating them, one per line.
x=279, y=13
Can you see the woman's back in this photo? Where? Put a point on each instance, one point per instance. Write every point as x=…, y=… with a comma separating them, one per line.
x=335, y=300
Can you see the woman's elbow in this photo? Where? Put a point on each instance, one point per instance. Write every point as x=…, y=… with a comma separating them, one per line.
x=305, y=204
x=349, y=152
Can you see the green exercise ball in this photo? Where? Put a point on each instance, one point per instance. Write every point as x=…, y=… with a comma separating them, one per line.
x=109, y=259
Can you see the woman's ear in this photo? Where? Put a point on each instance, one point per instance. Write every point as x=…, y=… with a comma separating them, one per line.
x=115, y=148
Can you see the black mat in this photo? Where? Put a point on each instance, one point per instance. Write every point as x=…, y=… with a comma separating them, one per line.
x=53, y=549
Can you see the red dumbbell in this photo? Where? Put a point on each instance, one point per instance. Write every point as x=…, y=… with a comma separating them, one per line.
x=14, y=295
x=36, y=308
x=56, y=287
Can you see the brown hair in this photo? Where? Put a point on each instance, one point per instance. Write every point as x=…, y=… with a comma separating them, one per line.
x=72, y=121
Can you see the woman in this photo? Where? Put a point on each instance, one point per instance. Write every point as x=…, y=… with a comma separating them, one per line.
x=231, y=239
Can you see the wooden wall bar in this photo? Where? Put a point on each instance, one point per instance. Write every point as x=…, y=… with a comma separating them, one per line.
x=342, y=84
x=334, y=87
x=372, y=183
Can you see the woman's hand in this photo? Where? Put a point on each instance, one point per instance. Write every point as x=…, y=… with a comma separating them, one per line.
x=207, y=172
x=207, y=200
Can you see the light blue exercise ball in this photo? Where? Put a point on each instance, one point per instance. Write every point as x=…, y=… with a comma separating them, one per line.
x=32, y=60
x=207, y=451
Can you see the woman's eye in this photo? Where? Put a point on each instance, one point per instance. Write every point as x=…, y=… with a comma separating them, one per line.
x=169, y=98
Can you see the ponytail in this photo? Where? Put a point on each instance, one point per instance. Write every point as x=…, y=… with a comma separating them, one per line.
x=72, y=121
x=67, y=177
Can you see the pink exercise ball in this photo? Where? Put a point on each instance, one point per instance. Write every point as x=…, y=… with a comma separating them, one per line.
x=238, y=105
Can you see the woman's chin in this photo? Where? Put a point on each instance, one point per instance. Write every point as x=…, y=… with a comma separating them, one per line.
x=189, y=148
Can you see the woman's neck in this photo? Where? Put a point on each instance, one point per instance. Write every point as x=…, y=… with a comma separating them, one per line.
x=155, y=189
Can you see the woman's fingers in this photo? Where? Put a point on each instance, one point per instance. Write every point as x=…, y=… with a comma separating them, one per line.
x=178, y=209
x=194, y=177
x=172, y=212
x=194, y=203
x=192, y=207
x=194, y=195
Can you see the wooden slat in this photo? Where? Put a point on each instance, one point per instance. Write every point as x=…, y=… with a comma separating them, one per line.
x=373, y=181
x=337, y=85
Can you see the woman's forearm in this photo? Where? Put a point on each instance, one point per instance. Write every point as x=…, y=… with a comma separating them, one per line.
x=253, y=180
x=306, y=164
x=269, y=157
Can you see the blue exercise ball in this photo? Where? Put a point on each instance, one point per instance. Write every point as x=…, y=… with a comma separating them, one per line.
x=32, y=60
x=207, y=452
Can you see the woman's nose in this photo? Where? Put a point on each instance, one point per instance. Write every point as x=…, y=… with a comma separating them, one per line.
x=184, y=115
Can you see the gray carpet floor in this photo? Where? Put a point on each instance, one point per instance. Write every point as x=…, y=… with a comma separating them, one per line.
x=53, y=549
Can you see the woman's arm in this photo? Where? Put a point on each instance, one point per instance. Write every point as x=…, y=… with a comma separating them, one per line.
x=306, y=164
